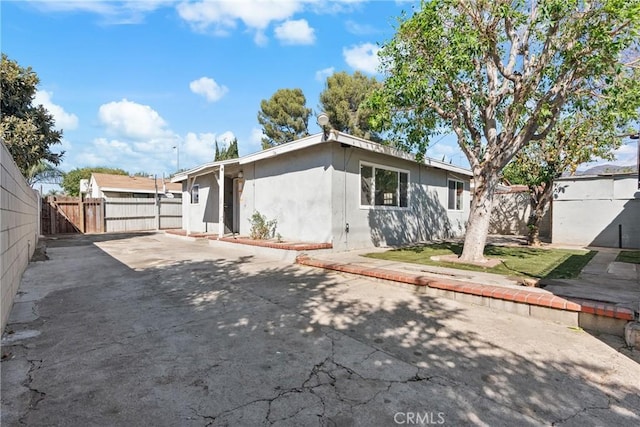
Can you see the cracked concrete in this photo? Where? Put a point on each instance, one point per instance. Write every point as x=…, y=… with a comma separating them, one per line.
x=156, y=330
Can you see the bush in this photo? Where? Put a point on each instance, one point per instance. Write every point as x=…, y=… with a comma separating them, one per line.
x=261, y=228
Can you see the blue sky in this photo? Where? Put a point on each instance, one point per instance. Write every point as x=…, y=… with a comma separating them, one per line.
x=129, y=80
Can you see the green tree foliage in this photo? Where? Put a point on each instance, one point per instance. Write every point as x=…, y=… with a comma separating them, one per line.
x=342, y=100
x=497, y=74
x=27, y=130
x=284, y=117
x=71, y=180
x=591, y=125
x=230, y=152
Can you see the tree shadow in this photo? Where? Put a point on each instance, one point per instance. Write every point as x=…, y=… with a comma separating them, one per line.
x=425, y=220
x=239, y=340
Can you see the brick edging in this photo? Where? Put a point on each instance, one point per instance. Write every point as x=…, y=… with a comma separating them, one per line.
x=489, y=291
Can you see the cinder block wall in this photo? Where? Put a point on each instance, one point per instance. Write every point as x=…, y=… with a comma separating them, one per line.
x=19, y=228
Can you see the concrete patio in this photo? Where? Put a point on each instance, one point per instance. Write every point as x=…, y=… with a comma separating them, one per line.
x=134, y=329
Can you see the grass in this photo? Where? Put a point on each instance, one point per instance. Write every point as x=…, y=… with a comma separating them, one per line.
x=517, y=261
x=632, y=257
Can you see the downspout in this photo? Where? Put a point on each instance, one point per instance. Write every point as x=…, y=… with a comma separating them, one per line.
x=190, y=182
x=221, y=203
x=344, y=196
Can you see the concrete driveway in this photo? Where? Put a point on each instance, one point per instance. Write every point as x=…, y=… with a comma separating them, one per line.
x=155, y=330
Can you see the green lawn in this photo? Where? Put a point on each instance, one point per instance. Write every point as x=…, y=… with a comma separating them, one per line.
x=629, y=256
x=517, y=261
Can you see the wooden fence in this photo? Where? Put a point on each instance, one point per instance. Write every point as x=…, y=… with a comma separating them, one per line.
x=133, y=214
x=73, y=215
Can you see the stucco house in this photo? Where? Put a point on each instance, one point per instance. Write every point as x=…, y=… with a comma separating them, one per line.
x=329, y=188
x=597, y=210
x=108, y=186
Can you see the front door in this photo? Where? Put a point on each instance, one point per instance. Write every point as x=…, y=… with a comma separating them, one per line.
x=236, y=205
x=228, y=204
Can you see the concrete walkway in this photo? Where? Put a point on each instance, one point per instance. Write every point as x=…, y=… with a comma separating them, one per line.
x=603, y=279
x=604, y=298
x=121, y=330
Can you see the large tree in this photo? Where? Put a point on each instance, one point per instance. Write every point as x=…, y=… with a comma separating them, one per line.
x=284, y=117
x=342, y=100
x=229, y=152
x=71, y=180
x=27, y=130
x=591, y=125
x=496, y=73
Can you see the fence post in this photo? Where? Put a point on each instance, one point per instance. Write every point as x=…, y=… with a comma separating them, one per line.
x=52, y=219
x=158, y=202
x=82, y=220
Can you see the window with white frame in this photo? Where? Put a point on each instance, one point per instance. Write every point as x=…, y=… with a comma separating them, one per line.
x=456, y=189
x=195, y=194
x=382, y=186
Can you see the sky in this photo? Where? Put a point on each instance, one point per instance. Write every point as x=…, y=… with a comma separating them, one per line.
x=141, y=85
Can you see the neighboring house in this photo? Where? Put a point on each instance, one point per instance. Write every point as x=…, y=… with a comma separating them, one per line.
x=332, y=188
x=107, y=186
x=511, y=210
x=600, y=210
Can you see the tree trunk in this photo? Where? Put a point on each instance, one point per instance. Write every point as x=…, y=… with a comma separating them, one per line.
x=479, y=218
x=541, y=197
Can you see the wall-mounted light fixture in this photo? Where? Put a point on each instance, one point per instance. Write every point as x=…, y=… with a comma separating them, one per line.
x=323, y=120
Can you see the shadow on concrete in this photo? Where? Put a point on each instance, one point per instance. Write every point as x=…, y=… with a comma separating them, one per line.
x=241, y=341
x=59, y=240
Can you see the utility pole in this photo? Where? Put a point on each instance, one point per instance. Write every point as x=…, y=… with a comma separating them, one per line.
x=177, y=147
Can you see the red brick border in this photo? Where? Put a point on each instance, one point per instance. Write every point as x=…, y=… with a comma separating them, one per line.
x=523, y=296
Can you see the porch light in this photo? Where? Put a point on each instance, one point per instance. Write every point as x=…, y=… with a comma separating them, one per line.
x=240, y=175
x=322, y=119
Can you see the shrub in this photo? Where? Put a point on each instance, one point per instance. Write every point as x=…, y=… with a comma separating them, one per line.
x=261, y=228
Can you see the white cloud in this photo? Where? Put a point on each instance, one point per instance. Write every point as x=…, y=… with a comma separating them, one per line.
x=260, y=38
x=321, y=75
x=200, y=146
x=295, y=32
x=221, y=16
x=64, y=120
x=256, y=137
x=627, y=154
x=153, y=156
x=225, y=138
x=132, y=120
x=363, y=57
x=208, y=88
x=105, y=152
x=360, y=29
x=113, y=12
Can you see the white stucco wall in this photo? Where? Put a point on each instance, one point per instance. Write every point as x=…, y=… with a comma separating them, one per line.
x=590, y=211
x=427, y=216
x=19, y=229
x=201, y=217
x=295, y=190
x=314, y=192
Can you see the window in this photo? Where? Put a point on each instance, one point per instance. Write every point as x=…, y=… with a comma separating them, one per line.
x=383, y=187
x=195, y=194
x=455, y=194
